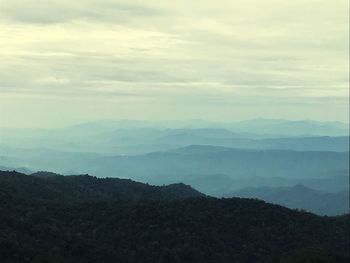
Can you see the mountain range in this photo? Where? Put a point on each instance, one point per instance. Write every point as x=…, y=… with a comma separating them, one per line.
x=301, y=197
x=136, y=137
x=260, y=158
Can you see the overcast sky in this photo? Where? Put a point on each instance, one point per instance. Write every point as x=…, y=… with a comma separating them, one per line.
x=64, y=61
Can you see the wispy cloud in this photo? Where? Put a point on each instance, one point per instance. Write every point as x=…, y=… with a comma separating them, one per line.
x=247, y=52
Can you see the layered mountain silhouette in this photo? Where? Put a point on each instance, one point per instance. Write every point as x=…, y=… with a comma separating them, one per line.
x=139, y=137
x=192, y=159
x=177, y=213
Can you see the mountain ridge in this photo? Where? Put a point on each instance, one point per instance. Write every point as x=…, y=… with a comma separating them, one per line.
x=48, y=186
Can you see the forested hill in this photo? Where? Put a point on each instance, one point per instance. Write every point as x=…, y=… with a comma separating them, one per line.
x=46, y=186
x=35, y=229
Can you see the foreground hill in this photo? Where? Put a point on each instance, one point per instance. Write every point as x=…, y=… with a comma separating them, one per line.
x=34, y=229
x=45, y=186
x=299, y=196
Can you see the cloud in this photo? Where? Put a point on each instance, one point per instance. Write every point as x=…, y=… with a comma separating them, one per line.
x=63, y=11
x=193, y=52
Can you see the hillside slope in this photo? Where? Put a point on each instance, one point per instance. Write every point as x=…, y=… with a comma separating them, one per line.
x=34, y=229
x=44, y=186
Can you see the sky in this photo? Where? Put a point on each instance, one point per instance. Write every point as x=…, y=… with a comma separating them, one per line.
x=64, y=61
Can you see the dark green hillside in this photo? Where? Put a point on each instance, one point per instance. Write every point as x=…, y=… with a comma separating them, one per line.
x=309, y=255
x=157, y=228
x=48, y=186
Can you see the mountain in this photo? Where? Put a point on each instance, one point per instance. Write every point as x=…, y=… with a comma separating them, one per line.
x=221, y=185
x=199, y=229
x=137, y=137
x=195, y=159
x=313, y=143
x=257, y=126
x=300, y=197
x=213, y=170
x=292, y=128
x=47, y=186
x=236, y=163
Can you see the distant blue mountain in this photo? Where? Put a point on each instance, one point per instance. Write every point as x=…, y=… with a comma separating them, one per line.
x=299, y=196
